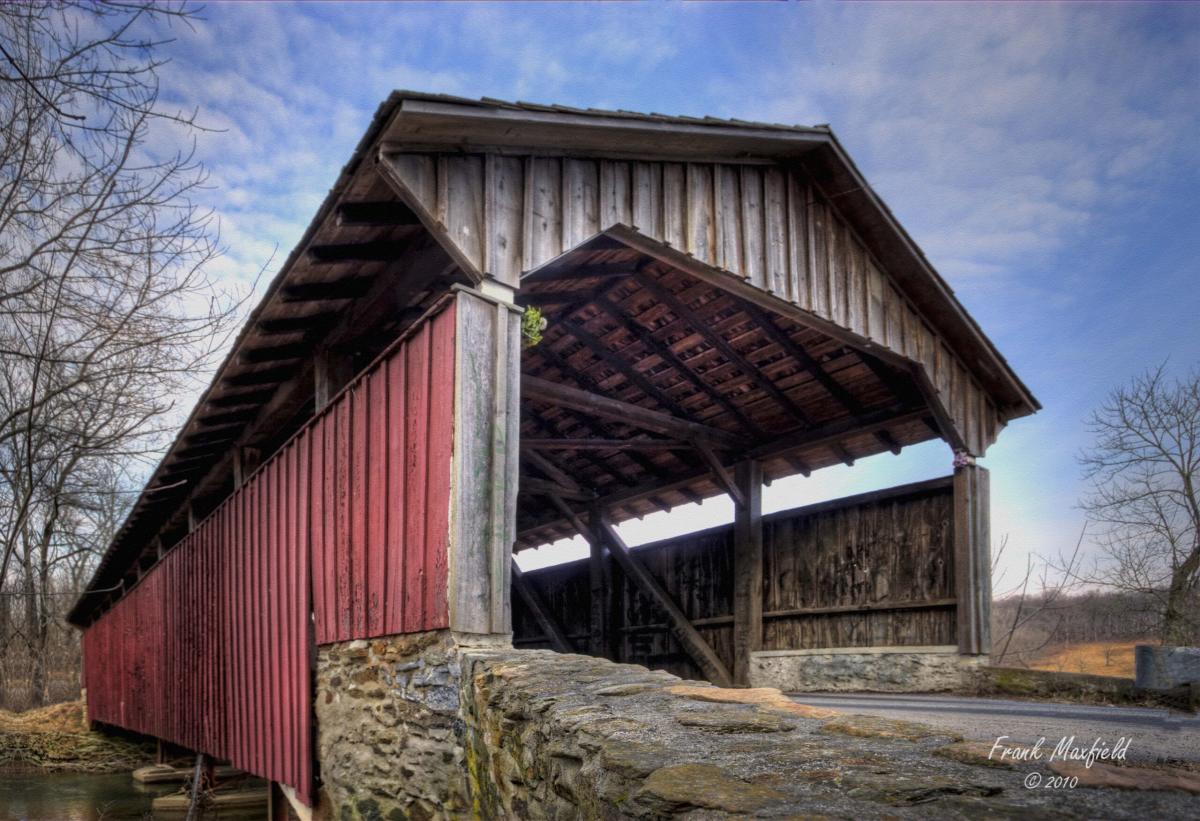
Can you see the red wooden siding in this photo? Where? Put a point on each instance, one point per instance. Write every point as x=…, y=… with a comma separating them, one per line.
x=212, y=649
x=381, y=493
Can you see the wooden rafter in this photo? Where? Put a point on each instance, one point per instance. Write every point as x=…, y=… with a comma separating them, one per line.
x=551, y=470
x=588, y=383
x=588, y=423
x=372, y=251
x=545, y=487
x=664, y=352
x=680, y=309
x=381, y=214
x=636, y=443
x=813, y=367
x=781, y=447
x=554, y=393
x=351, y=287
x=618, y=363
x=296, y=324
x=721, y=474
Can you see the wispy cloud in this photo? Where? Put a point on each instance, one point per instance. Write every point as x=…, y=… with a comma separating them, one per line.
x=1038, y=153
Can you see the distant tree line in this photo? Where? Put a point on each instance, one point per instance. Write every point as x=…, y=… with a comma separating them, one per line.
x=1026, y=630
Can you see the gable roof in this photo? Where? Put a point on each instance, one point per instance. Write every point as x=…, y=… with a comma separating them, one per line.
x=416, y=121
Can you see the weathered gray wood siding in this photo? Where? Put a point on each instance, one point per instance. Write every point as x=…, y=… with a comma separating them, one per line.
x=879, y=567
x=770, y=226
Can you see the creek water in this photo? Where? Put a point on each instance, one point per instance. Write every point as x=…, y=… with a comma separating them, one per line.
x=39, y=796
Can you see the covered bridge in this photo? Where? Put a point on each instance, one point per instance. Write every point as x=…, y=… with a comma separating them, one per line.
x=725, y=303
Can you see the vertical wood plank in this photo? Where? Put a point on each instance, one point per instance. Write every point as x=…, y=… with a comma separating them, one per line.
x=505, y=214
x=580, y=201
x=701, y=230
x=674, y=206
x=416, y=420
x=545, y=218
x=377, y=501
x=648, y=199
x=397, y=494
x=440, y=442
x=616, y=206
x=799, y=242
x=728, y=213
x=461, y=203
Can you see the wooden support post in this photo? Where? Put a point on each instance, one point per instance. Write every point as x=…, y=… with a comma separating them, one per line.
x=550, y=627
x=332, y=370
x=972, y=557
x=484, y=471
x=747, y=570
x=245, y=462
x=192, y=518
x=596, y=586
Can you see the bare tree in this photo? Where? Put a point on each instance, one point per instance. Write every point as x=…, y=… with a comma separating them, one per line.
x=1026, y=621
x=1145, y=501
x=106, y=313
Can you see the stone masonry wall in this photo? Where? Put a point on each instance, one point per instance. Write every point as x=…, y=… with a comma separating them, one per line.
x=870, y=669
x=428, y=727
x=389, y=728
x=552, y=736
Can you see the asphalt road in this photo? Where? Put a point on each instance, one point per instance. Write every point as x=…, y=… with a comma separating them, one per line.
x=1154, y=735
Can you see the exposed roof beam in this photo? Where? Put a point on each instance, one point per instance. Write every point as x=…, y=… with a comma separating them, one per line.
x=271, y=376
x=244, y=414
x=384, y=250
x=680, y=309
x=618, y=363
x=590, y=424
x=816, y=437
x=551, y=470
x=664, y=352
x=723, y=477
x=213, y=434
x=553, y=393
x=555, y=297
x=233, y=400
x=275, y=353
x=384, y=213
x=847, y=400
x=329, y=290
x=295, y=324
x=636, y=443
x=565, y=272
x=542, y=487
x=588, y=383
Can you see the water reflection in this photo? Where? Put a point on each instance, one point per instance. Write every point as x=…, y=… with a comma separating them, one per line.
x=37, y=796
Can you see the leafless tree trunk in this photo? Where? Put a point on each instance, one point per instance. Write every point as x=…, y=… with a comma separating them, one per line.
x=1021, y=609
x=106, y=313
x=1145, y=499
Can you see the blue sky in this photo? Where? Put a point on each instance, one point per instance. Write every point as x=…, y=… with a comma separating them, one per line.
x=1044, y=156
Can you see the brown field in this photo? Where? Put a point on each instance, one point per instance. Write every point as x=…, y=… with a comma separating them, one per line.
x=1102, y=658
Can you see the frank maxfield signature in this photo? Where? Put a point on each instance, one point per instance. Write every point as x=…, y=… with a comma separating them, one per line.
x=1065, y=750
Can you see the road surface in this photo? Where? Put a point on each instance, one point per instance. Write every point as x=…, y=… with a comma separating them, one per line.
x=1155, y=735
